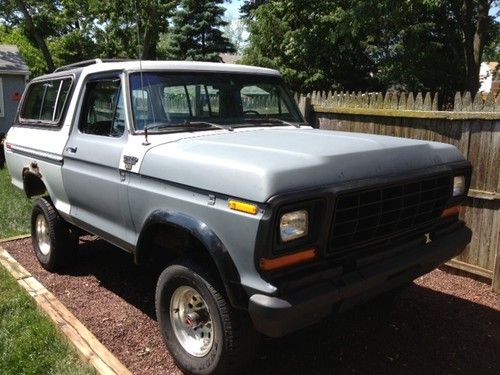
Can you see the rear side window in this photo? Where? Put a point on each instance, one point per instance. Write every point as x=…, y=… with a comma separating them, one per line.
x=45, y=102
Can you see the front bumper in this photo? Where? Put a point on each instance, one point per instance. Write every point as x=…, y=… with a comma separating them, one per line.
x=276, y=317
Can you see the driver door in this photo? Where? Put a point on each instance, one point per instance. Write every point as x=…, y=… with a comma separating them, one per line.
x=91, y=176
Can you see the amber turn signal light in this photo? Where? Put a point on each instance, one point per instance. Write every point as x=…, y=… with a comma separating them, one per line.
x=248, y=208
x=450, y=211
x=287, y=260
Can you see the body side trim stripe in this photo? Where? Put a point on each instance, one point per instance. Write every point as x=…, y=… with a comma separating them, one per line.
x=43, y=155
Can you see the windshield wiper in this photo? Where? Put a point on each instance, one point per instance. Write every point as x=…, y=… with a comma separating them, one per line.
x=160, y=125
x=275, y=120
x=206, y=123
x=163, y=125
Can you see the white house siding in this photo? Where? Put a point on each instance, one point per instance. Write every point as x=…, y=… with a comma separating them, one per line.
x=486, y=75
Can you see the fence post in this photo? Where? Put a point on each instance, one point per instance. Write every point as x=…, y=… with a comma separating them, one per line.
x=496, y=273
x=305, y=107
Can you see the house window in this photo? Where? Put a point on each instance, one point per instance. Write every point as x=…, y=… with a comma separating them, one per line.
x=2, y=104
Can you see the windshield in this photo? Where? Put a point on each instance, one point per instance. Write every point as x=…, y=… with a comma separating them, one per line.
x=166, y=101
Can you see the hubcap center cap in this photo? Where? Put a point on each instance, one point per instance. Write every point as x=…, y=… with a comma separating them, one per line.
x=192, y=320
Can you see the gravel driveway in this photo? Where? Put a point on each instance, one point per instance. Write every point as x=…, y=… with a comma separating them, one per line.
x=444, y=323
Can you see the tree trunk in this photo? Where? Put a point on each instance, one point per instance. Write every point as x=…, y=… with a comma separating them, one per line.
x=479, y=41
x=36, y=35
x=149, y=44
x=474, y=25
x=151, y=35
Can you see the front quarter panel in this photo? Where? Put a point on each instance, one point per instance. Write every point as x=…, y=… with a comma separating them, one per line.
x=236, y=230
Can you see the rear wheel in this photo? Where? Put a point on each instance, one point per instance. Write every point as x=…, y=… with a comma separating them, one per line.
x=203, y=333
x=54, y=244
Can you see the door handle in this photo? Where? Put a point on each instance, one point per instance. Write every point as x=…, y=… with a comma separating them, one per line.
x=72, y=149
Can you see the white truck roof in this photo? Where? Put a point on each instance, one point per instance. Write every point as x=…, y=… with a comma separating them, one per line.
x=98, y=65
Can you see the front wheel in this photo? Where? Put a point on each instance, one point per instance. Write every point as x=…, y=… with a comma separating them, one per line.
x=203, y=333
x=54, y=244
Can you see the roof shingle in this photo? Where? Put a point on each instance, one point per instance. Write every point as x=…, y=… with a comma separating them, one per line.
x=11, y=60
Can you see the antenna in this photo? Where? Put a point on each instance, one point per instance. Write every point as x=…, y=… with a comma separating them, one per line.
x=139, y=56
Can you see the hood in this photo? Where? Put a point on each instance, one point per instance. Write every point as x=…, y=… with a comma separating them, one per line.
x=257, y=164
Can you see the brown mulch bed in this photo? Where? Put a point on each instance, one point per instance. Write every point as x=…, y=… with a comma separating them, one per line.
x=444, y=323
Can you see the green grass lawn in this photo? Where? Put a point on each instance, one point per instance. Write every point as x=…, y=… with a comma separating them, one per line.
x=15, y=208
x=29, y=342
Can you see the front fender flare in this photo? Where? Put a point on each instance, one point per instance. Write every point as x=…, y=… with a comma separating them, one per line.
x=218, y=252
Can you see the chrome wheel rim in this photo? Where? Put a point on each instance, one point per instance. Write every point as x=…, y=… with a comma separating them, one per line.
x=42, y=234
x=191, y=321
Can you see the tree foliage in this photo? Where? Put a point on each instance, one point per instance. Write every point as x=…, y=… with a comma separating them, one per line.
x=249, y=6
x=492, y=49
x=357, y=44
x=120, y=21
x=32, y=55
x=196, y=33
x=66, y=31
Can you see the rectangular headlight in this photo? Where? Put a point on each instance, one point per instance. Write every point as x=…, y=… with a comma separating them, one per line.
x=294, y=225
x=458, y=185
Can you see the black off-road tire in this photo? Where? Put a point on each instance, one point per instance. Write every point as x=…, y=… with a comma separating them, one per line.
x=63, y=244
x=234, y=342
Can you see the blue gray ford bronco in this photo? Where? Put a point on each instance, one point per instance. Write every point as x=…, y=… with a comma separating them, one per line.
x=263, y=223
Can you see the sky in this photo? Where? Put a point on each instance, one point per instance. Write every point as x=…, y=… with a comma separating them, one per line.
x=233, y=8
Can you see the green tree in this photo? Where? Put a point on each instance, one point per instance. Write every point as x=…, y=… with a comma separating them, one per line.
x=66, y=31
x=31, y=54
x=492, y=49
x=356, y=44
x=249, y=6
x=475, y=23
x=34, y=19
x=120, y=21
x=196, y=33
x=60, y=30
x=416, y=47
x=316, y=45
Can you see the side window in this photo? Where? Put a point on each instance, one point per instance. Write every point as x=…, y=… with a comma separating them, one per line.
x=45, y=101
x=33, y=103
x=103, y=109
x=49, y=100
x=63, y=97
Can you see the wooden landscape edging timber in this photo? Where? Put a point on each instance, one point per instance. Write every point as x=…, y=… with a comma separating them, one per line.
x=89, y=348
x=473, y=127
x=20, y=237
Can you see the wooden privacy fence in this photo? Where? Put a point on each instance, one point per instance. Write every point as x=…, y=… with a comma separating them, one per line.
x=473, y=126
x=395, y=100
